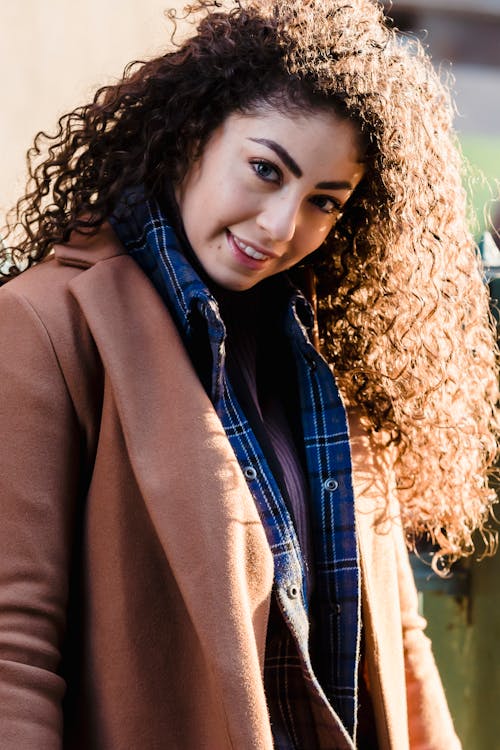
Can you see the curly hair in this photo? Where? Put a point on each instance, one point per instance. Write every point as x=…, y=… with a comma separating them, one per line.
x=403, y=310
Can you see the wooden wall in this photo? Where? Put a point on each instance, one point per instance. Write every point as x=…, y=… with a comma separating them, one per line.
x=54, y=54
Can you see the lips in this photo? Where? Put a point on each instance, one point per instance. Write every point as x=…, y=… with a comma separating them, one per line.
x=248, y=253
x=249, y=249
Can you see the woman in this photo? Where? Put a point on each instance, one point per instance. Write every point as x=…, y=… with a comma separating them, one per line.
x=182, y=562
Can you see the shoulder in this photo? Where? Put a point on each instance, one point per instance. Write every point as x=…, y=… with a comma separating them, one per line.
x=42, y=324
x=46, y=284
x=46, y=288
x=378, y=516
x=373, y=458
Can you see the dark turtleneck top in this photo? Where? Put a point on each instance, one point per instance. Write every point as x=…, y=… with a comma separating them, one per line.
x=262, y=372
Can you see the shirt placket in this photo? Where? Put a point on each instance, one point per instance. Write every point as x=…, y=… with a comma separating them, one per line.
x=327, y=447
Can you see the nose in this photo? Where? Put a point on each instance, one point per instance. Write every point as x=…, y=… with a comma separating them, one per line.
x=279, y=218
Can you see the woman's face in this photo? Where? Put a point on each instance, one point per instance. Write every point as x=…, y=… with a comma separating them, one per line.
x=266, y=191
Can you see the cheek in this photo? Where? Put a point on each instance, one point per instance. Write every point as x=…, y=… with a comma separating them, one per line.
x=234, y=204
x=313, y=237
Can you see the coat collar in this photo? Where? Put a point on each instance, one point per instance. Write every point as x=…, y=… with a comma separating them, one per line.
x=162, y=407
x=197, y=499
x=84, y=251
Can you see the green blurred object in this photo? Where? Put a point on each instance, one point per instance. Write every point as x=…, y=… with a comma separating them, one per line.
x=465, y=633
x=483, y=154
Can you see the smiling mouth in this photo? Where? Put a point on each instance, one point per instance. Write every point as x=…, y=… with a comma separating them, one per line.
x=248, y=250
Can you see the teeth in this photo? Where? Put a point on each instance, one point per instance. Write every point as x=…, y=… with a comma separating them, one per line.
x=250, y=251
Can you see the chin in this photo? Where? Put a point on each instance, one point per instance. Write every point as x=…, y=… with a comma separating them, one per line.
x=233, y=283
x=236, y=286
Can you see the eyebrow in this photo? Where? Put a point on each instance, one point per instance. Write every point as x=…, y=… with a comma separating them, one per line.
x=294, y=168
x=335, y=185
x=283, y=154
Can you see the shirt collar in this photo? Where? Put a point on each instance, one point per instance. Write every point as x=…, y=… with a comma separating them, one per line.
x=152, y=241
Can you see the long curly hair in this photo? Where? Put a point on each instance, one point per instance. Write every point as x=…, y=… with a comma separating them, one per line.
x=403, y=310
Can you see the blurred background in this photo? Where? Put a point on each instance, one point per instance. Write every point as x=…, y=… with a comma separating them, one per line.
x=463, y=38
x=55, y=54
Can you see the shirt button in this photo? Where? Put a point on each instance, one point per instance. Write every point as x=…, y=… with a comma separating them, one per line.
x=330, y=485
x=249, y=473
x=292, y=591
x=312, y=365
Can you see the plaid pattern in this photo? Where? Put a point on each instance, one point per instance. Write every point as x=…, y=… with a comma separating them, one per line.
x=298, y=697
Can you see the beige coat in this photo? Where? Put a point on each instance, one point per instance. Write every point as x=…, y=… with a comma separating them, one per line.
x=130, y=545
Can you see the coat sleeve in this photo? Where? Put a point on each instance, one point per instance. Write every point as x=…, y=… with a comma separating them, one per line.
x=429, y=721
x=39, y=449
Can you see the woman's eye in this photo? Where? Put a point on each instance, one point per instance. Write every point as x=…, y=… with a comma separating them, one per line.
x=266, y=171
x=327, y=204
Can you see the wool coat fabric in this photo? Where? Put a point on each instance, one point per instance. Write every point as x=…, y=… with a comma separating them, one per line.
x=135, y=575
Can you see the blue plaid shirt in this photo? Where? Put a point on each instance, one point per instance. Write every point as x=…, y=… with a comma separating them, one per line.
x=330, y=693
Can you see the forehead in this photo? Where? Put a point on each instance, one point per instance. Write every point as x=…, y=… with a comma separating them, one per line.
x=316, y=139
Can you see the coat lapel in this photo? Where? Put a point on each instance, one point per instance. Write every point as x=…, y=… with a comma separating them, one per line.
x=189, y=479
